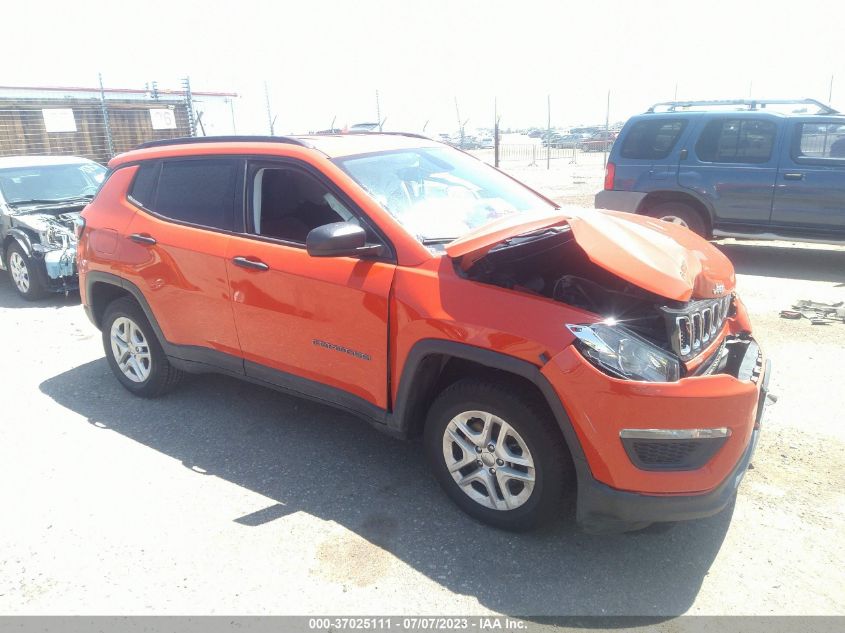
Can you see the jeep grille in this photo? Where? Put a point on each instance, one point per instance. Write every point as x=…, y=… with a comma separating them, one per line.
x=693, y=327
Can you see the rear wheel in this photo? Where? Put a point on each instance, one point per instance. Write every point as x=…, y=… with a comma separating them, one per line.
x=679, y=213
x=134, y=353
x=23, y=275
x=498, y=456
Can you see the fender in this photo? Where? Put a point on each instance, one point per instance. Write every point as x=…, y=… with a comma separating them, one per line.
x=419, y=370
x=674, y=194
x=22, y=238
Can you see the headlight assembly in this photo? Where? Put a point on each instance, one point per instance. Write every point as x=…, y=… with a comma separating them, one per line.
x=621, y=353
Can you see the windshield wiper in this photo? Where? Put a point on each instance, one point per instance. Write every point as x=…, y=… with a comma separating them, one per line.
x=70, y=200
x=438, y=240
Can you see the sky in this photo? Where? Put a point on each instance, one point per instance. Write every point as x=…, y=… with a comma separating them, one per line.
x=324, y=60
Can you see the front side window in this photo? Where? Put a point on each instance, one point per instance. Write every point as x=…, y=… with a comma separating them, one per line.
x=652, y=139
x=288, y=203
x=44, y=184
x=737, y=141
x=438, y=193
x=197, y=191
x=820, y=142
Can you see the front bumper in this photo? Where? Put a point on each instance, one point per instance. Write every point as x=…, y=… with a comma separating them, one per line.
x=56, y=269
x=602, y=509
x=615, y=495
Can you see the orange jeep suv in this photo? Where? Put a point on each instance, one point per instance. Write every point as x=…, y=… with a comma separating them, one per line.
x=536, y=350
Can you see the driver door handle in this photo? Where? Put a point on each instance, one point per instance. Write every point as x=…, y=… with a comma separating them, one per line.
x=252, y=264
x=793, y=176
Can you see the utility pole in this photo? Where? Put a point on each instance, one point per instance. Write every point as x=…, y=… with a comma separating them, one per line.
x=189, y=106
x=232, y=111
x=830, y=92
x=270, y=118
x=378, y=112
x=606, y=128
x=460, y=125
x=495, y=133
x=106, y=125
x=676, y=92
x=548, y=131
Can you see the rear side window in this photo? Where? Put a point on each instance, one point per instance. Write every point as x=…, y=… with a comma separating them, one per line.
x=820, y=143
x=736, y=141
x=199, y=191
x=652, y=139
x=143, y=187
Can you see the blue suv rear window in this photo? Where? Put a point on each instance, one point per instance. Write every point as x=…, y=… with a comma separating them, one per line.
x=652, y=139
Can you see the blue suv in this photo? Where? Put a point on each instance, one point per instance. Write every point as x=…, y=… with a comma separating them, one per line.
x=733, y=168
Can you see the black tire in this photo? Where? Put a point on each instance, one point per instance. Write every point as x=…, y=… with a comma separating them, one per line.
x=162, y=375
x=35, y=289
x=684, y=212
x=531, y=419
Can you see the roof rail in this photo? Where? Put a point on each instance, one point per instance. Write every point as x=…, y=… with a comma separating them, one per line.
x=190, y=140
x=408, y=134
x=749, y=104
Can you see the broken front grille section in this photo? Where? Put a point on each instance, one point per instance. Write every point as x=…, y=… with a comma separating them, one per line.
x=692, y=328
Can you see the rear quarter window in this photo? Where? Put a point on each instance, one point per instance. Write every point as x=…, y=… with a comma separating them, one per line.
x=652, y=140
x=142, y=190
x=820, y=144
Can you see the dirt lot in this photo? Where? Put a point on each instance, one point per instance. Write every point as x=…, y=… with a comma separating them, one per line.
x=228, y=498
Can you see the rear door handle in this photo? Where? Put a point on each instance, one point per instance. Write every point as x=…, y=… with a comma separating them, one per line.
x=253, y=264
x=793, y=176
x=142, y=238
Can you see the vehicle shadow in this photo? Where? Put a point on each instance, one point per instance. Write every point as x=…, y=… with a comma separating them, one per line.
x=9, y=297
x=812, y=264
x=380, y=489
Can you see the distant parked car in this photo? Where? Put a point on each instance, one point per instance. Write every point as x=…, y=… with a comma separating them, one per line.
x=599, y=142
x=40, y=201
x=733, y=169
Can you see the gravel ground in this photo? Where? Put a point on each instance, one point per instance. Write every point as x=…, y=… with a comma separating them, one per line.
x=228, y=498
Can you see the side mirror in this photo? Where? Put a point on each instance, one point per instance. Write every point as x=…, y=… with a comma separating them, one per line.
x=339, y=239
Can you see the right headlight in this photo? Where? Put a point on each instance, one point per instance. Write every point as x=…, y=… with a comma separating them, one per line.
x=621, y=353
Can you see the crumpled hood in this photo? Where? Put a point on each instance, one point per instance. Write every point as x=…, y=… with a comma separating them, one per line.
x=659, y=257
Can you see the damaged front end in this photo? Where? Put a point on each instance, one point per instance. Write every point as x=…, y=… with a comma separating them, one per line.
x=48, y=239
x=664, y=306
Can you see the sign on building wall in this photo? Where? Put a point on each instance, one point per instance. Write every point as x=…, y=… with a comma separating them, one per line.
x=59, y=119
x=162, y=119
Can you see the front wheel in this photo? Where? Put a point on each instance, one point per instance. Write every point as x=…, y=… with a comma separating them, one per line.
x=681, y=214
x=22, y=272
x=134, y=353
x=498, y=456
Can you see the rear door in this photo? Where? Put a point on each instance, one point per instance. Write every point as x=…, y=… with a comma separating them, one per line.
x=647, y=158
x=175, y=252
x=810, y=190
x=318, y=325
x=733, y=164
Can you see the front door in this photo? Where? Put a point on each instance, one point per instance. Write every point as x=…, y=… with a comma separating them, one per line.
x=317, y=325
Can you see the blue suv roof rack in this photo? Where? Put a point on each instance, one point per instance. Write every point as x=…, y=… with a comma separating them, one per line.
x=748, y=104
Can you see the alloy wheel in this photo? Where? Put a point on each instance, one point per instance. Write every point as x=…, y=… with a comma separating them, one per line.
x=19, y=271
x=674, y=219
x=130, y=349
x=489, y=460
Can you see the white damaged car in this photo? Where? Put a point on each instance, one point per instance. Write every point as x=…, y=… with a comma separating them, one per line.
x=40, y=201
